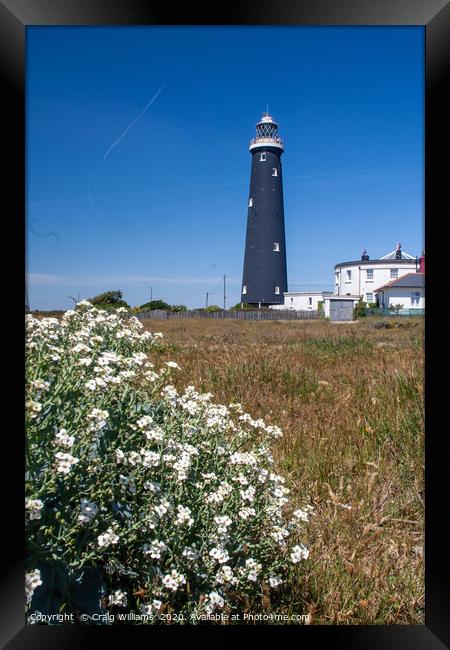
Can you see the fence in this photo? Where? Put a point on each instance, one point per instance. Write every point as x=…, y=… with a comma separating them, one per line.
x=378, y=311
x=257, y=314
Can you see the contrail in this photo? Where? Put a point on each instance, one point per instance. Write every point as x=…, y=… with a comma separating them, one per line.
x=116, y=142
x=51, y=233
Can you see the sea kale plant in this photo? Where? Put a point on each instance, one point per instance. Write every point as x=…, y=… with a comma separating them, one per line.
x=140, y=499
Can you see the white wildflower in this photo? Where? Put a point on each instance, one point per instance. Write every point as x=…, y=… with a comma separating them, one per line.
x=63, y=439
x=34, y=506
x=107, y=538
x=65, y=462
x=32, y=581
x=118, y=598
x=219, y=554
x=299, y=553
x=184, y=516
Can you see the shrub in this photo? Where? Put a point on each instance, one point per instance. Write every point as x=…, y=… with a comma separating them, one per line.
x=395, y=308
x=242, y=306
x=138, y=498
x=109, y=300
x=155, y=304
x=212, y=308
x=360, y=309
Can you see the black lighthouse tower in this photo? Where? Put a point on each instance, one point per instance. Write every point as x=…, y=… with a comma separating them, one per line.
x=265, y=276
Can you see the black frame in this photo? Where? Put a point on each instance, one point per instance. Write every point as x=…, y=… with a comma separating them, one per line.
x=434, y=15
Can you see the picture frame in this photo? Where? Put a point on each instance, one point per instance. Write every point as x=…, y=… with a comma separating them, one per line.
x=434, y=16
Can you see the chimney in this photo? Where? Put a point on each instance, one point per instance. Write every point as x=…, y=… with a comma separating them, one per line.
x=364, y=256
x=422, y=263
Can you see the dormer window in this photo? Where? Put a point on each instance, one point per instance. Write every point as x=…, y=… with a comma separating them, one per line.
x=250, y=203
x=276, y=247
x=274, y=171
x=262, y=157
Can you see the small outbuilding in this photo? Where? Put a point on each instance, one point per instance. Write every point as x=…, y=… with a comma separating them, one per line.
x=340, y=308
x=302, y=300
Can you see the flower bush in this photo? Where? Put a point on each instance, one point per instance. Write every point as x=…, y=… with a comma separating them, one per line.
x=138, y=498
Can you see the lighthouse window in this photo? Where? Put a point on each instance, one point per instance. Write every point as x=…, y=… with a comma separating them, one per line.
x=394, y=273
x=262, y=157
x=244, y=289
x=277, y=291
x=276, y=247
x=310, y=301
x=274, y=171
x=250, y=203
x=349, y=276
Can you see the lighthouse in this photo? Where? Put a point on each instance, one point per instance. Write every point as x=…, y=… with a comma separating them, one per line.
x=265, y=277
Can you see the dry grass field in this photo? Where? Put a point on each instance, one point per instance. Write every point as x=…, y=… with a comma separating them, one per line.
x=349, y=398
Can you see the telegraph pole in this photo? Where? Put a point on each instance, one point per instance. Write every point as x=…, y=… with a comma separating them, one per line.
x=224, y=292
x=207, y=294
x=151, y=294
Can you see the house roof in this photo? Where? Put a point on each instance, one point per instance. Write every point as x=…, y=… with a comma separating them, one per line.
x=383, y=262
x=307, y=293
x=392, y=254
x=407, y=280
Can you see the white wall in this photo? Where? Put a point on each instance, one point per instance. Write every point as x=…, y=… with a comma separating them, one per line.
x=402, y=296
x=361, y=285
x=303, y=302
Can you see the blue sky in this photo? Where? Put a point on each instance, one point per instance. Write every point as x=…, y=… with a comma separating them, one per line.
x=170, y=200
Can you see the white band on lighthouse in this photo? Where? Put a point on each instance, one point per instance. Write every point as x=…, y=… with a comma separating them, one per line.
x=256, y=143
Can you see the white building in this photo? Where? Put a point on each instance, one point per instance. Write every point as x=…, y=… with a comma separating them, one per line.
x=408, y=291
x=363, y=277
x=302, y=300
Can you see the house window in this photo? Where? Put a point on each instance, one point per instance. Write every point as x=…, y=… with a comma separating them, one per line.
x=349, y=276
x=394, y=273
x=310, y=301
x=262, y=157
x=292, y=299
x=415, y=297
x=276, y=247
x=274, y=171
x=369, y=273
x=369, y=297
x=250, y=203
x=277, y=291
x=244, y=289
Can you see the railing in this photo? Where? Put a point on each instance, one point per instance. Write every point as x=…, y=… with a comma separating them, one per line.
x=379, y=311
x=275, y=140
x=257, y=314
